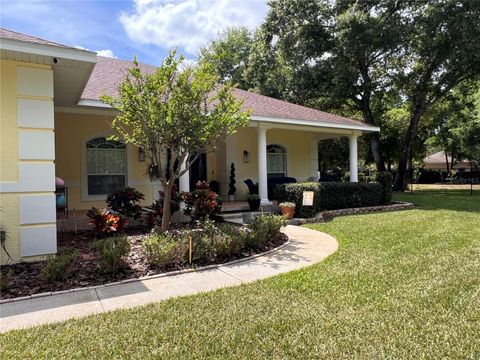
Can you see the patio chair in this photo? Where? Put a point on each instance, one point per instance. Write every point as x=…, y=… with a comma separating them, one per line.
x=252, y=188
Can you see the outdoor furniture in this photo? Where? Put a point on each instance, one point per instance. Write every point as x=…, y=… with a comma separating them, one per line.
x=252, y=187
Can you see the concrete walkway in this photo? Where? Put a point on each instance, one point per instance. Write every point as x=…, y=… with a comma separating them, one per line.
x=306, y=247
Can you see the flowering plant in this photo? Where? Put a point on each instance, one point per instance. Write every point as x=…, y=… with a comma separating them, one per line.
x=105, y=222
x=202, y=202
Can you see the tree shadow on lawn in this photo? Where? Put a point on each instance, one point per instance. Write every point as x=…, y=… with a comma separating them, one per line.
x=442, y=199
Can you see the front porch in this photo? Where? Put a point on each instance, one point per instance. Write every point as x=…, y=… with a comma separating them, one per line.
x=270, y=154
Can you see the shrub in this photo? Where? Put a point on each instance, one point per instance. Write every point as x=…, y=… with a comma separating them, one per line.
x=231, y=185
x=213, y=243
x=59, y=267
x=105, y=222
x=126, y=202
x=263, y=229
x=385, y=179
x=201, y=203
x=112, y=251
x=330, y=196
x=164, y=249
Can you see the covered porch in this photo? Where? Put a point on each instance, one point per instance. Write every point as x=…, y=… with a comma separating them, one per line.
x=272, y=152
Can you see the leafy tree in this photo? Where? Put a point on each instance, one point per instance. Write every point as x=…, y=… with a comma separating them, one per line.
x=229, y=55
x=339, y=52
x=456, y=124
x=332, y=155
x=180, y=113
x=441, y=52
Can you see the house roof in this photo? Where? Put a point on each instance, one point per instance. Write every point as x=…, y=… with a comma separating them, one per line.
x=268, y=107
x=439, y=158
x=14, y=35
x=109, y=73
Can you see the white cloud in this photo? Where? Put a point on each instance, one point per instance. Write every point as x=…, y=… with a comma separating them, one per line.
x=106, y=53
x=188, y=24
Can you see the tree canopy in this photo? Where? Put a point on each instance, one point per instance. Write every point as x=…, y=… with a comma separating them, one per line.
x=174, y=116
x=389, y=61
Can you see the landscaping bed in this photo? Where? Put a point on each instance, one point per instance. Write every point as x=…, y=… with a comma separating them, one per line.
x=25, y=279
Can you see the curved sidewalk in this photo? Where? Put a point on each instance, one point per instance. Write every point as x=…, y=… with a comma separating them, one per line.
x=305, y=247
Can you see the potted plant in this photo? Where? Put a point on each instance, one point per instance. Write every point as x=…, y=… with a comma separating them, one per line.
x=219, y=201
x=287, y=209
x=253, y=202
x=231, y=185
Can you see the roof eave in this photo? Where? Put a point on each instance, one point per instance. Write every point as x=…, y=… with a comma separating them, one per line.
x=315, y=123
x=48, y=50
x=93, y=103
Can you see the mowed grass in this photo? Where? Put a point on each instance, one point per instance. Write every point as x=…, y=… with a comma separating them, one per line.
x=402, y=285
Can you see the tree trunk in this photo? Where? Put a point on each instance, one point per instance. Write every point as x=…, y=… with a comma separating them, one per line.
x=402, y=173
x=167, y=201
x=374, y=137
x=451, y=161
x=377, y=155
x=446, y=162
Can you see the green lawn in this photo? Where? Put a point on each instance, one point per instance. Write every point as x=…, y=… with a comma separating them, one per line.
x=402, y=285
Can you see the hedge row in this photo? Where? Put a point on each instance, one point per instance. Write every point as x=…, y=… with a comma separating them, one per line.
x=330, y=196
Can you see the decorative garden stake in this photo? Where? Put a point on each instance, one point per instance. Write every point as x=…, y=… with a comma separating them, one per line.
x=189, y=249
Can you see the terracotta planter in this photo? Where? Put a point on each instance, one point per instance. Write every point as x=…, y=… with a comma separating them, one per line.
x=288, y=212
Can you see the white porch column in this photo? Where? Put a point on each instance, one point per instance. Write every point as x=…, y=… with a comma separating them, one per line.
x=262, y=166
x=353, y=157
x=184, y=181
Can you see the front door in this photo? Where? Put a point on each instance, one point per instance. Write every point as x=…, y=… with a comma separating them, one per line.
x=198, y=171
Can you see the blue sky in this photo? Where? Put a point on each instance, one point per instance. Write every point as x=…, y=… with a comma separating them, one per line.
x=125, y=28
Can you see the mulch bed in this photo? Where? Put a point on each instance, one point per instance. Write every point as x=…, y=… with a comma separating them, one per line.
x=27, y=279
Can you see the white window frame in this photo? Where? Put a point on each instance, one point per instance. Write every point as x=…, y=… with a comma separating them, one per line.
x=285, y=172
x=85, y=193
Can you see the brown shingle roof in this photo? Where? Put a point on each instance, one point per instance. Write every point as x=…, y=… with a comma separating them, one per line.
x=271, y=107
x=108, y=73
x=13, y=35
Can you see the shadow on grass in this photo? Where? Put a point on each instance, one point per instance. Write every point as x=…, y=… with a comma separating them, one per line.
x=446, y=199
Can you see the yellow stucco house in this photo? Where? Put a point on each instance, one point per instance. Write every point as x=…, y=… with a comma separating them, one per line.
x=54, y=125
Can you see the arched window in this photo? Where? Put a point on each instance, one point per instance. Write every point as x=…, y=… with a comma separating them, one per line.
x=106, y=166
x=276, y=161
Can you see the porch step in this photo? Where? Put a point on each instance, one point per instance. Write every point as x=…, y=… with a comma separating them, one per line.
x=240, y=217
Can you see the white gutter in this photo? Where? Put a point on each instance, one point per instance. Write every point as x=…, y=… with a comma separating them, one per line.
x=48, y=50
x=315, y=123
x=93, y=103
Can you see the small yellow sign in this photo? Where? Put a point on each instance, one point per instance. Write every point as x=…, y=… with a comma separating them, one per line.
x=307, y=198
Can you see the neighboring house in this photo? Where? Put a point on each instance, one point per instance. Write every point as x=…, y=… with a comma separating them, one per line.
x=53, y=124
x=438, y=162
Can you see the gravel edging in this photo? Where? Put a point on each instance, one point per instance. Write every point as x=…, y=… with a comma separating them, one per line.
x=330, y=214
x=166, y=274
